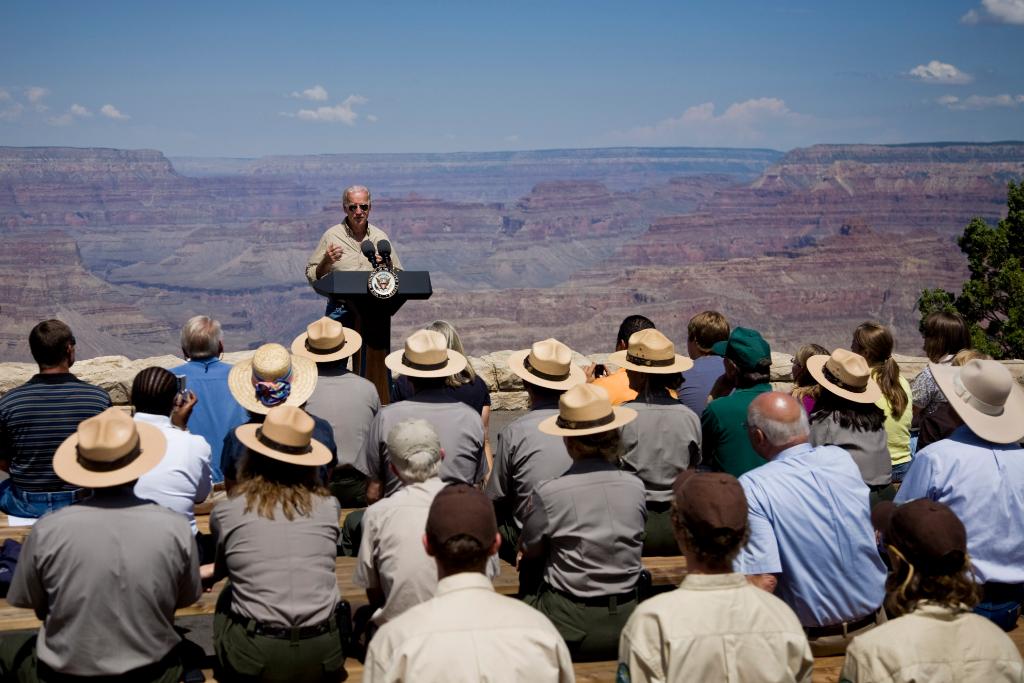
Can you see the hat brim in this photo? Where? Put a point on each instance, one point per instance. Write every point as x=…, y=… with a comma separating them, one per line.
x=153, y=445
x=319, y=455
x=517, y=364
x=456, y=364
x=623, y=416
x=1005, y=428
x=303, y=383
x=353, y=342
x=680, y=364
x=816, y=366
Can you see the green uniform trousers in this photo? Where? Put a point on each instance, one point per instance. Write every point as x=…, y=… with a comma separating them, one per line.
x=348, y=485
x=18, y=662
x=590, y=629
x=659, y=539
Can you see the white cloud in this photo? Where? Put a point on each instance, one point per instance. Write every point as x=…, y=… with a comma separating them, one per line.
x=11, y=112
x=35, y=94
x=751, y=121
x=79, y=110
x=4, y=95
x=996, y=11
x=339, y=113
x=372, y=118
x=940, y=73
x=68, y=117
x=976, y=102
x=112, y=112
x=317, y=94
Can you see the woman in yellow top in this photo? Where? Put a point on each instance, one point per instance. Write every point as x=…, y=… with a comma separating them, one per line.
x=874, y=341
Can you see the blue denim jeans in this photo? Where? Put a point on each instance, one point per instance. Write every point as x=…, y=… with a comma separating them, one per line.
x=20, y=503
x=1001, y=604
x=900, y=471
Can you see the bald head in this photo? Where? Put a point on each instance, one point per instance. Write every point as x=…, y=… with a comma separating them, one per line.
x=775, y=422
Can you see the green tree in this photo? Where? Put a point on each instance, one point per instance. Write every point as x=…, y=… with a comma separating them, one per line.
x=992, y=300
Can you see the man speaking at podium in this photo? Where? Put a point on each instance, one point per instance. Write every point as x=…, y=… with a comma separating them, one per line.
x=339, y=248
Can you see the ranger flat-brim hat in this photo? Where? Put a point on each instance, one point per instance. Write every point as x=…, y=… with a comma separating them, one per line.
x=109, y=449
x=845, y=374
x=272, y=377
x=586, y=409
x=286, y=435
x=327, y=340
x=426, y=354
x=651, y=352
x=547, y=364
x=986, y=397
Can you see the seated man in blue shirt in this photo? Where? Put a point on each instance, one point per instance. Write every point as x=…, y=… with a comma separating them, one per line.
x=811, y=540
x=979, y=473
x=216, y=414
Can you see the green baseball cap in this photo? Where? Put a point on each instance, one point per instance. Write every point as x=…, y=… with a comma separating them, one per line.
x=744, y=347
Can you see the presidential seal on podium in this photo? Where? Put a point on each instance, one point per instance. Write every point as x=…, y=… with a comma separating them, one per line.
x=383, y=282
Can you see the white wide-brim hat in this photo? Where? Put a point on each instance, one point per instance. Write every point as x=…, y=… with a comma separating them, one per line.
x=986, y=397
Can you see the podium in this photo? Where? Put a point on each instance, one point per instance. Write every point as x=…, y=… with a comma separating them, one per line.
x=373, y=316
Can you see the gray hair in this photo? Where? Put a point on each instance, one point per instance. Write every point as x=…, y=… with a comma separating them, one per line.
x=201, y=337
x=414, y=450
x=778, y=432
x=354, y=188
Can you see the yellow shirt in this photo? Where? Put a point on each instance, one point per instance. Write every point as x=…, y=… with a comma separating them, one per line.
x=352, y=258
x=898, y=431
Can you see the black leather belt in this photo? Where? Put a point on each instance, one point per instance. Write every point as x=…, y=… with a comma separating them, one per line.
x=600, y=600
x=284, y=632
x=837, y=629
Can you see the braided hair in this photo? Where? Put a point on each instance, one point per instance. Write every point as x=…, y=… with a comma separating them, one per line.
x=153, y=391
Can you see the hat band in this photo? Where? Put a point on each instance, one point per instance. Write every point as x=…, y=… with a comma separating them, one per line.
x=104, y=466
x=278, y=446
x=585, y=424
x=423, y=366
x=841, y=384
x=313, y=349
x=650, y=362
x=973, y=401
x=544, y=375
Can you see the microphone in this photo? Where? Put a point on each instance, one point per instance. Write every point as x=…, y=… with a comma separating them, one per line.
x=369, y=252
x=384, y=247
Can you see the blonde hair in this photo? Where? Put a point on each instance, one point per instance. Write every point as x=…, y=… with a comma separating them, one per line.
x=965, y=356
x=451, y=337
x=267, y=483
x=906, y=586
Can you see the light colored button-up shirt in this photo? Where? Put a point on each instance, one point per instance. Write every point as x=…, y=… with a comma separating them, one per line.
x=349, y=403
x=352, y=257
x=468, y=634
x=983, y=483
x=810, y=521
x=714, y=627
x=935, y=644
x=661, y=442
x=182, y=478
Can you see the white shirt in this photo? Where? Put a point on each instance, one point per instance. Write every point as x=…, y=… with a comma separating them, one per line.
x=183, y=477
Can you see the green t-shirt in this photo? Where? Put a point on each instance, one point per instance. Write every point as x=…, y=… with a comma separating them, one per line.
x=725, y=443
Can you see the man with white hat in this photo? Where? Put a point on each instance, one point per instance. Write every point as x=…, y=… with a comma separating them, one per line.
x=525, y=456
x=272, y=377
x=104, y=575
x=979, y=473
x=427, y=361
x=346, y=400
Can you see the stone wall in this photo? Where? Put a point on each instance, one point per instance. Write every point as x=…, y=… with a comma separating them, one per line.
x=115, y=373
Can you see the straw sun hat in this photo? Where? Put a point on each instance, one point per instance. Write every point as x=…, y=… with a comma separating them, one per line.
x=286, y=435
x=271, y=377
x=651, y=352
x=107, y=450
x=845, y=374
x=585, y=409
x=327, y=340
x=426, y=354
x=986, y=397
x=547, y=364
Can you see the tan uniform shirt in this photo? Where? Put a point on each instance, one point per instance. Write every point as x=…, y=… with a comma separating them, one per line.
x=468, y=634
x=105, y=577
x=352, y=258
x=281, y=570
x=935, y=644
x=349, y=403
x=714, y=627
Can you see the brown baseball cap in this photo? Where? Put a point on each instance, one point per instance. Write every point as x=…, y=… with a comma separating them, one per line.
x=926, y=532
x=461, y=509
x=710, y=502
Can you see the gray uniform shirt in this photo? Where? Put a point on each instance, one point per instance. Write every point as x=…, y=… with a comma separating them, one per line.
x=524, y=457
x=592, y=520
x=105, y=577
x=349, y=403
x=458, y=427
x=661, y=442
x=281, y=570
x=870, y=450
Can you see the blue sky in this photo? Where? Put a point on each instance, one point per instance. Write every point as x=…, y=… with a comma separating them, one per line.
x=255, y=78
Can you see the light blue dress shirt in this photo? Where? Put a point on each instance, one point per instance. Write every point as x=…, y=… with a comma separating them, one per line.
x=983, y=483
x=216, y=412
x=810, y=521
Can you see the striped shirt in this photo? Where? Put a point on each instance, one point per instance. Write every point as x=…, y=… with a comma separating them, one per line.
x=36, y=417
